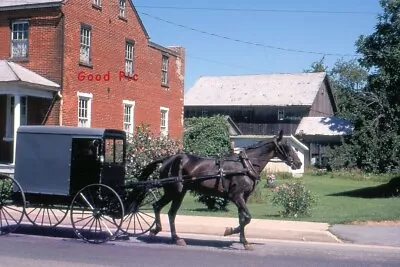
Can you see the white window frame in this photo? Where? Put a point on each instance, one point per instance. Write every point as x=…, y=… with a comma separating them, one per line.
x=89, y=98
x=164, y=69
x=19, y=39
x=129, y=54
x=122, y=8
x=97, y=3
x=85, y=53
x=130, y=123
x=9, y=136
x=164, y=120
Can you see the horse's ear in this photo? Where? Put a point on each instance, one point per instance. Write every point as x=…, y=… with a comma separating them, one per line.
x=280, y=136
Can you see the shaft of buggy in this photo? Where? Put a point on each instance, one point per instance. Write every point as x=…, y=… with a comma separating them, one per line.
x=178, y=179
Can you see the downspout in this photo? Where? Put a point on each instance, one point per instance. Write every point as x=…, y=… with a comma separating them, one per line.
x=60, y=113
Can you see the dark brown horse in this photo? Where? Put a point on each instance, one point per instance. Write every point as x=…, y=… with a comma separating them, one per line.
x=234, y=177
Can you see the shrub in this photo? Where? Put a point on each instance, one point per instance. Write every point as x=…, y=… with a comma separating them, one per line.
x=294, y=198
x=144, y=147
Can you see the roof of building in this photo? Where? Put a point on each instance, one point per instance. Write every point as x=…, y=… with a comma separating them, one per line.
x=20, y=4
x=67, y=130
x=324, y=126
x=12, y=72
x=255, y=90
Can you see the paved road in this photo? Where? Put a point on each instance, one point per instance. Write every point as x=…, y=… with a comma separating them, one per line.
x=29, y=250
x=371, y=235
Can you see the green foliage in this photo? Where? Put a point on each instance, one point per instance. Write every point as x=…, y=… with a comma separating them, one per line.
x=145, y=146
x=295, y=199
x=367, y=95
x=208, y=136
x=259, y=195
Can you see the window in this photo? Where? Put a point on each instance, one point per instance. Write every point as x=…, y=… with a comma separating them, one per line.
x=113, y=150
x=164, y=121
x=84, y=109
x=97, y=2
x=122, y=6
x=164, y=70
x=19, y=39
x=85, y=54
x=281, y=114
x=128, y=116
x=10, y=115
x=129, y=58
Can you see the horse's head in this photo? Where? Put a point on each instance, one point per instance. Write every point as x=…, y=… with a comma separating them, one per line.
x=286, y=153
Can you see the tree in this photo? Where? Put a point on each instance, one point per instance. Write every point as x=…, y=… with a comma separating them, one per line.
x=318, y=66
x=375, y=144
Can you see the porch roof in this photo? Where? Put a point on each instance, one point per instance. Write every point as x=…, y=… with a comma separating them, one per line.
x=11, y=72
x=324, y=126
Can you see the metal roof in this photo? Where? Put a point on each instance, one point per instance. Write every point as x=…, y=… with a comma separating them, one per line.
x=255, y=90
x=20, y=4
x=327, y=126
x=12, y=72
x=66, y=130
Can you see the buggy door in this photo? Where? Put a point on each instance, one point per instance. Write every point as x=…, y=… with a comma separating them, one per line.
x=113, y=172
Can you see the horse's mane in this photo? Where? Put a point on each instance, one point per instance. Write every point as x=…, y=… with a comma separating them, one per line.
x=257, y=144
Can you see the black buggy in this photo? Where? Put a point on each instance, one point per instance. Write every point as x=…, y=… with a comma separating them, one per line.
x=80, y=171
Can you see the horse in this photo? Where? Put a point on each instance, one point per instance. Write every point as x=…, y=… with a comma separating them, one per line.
x=233, y=177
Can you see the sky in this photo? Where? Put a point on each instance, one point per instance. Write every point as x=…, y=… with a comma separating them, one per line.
x=263, y=37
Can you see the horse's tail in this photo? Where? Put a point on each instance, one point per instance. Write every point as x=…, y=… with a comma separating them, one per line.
x=149, y=168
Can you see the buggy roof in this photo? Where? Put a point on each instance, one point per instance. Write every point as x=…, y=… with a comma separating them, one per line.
x=67, y=130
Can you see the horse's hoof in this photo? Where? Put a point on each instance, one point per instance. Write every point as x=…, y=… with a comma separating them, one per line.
x=228, y=231
x=248, y=247
x=153, y=233
x=180, y=242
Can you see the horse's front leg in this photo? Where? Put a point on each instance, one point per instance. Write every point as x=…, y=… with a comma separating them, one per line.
x=244, y=219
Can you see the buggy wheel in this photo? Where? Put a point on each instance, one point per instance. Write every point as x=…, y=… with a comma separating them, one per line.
x=96, y=213
x=139, y=218
x=45, y=215
x=12, y=204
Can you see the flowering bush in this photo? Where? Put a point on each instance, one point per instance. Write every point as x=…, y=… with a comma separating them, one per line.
x=144, y=147
x=294, y=198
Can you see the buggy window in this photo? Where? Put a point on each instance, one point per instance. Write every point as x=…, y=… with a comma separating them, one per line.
x=114, y=149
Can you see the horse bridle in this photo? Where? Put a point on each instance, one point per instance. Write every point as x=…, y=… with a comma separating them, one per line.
x=279, y=149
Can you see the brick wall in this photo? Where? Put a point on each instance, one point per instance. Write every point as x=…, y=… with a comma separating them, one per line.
x=109, y=33
x=54, y=45
x=44, y=44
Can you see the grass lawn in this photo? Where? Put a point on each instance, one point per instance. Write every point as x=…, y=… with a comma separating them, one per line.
x=364, y=202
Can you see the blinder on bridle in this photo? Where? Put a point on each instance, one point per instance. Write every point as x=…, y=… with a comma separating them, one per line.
x=281, y=150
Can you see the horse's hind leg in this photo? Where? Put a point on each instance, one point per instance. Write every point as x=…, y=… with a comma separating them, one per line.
x=175, y=205
x=157, y=207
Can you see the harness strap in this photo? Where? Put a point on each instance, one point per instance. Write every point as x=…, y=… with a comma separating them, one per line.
x=221, y=174
x=248, y=166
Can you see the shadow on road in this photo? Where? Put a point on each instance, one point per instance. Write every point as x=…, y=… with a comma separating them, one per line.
x=390, y=189
x=220, y=244
x=68, y=233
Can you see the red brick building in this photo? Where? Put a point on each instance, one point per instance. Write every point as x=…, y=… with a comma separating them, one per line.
x=87, y=63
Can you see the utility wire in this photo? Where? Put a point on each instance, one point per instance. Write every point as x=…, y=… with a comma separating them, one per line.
x=245, y=42
x=259, y=10
x=222, y=63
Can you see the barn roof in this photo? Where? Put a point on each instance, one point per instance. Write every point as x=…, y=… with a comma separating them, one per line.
x=256, y=90
x=327, y=126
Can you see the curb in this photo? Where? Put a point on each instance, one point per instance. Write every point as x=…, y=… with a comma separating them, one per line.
x=261, y=229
